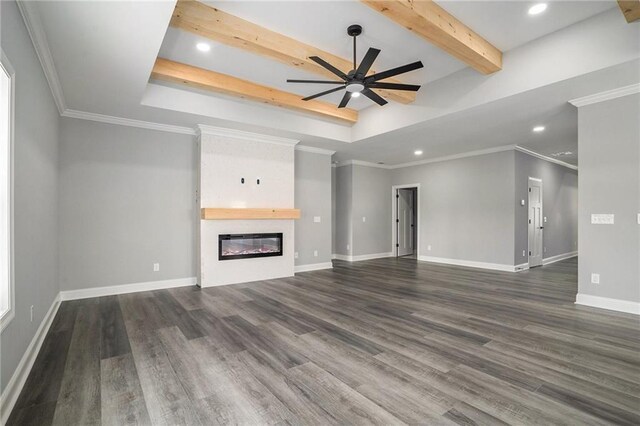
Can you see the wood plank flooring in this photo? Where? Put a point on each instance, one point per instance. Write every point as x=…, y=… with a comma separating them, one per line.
x=386, y=341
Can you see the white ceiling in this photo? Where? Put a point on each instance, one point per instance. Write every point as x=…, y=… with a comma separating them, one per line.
x=103, y=53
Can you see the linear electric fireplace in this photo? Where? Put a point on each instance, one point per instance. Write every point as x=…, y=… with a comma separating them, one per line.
x=243, y=246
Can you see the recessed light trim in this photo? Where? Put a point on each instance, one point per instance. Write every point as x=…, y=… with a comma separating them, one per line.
x=417, y=152
x=537, y=9
x=538, y=129
x=203, y=47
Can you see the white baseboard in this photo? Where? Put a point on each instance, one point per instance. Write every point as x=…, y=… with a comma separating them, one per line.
x=521, y=267
x=334, y=256
x=10, y=395
x=358, y=258
x=313, y=267
x=607, y=303
x=559, y=257
x=125, y=288
x=468, y=263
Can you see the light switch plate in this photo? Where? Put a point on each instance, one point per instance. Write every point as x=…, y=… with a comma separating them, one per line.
x=316, y=219
x=364, y=219
x=522, y=203
x=602, y=219
x=595, y=278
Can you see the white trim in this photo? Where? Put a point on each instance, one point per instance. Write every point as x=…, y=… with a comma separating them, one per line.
x=312, y=267
x=86, y=293
x=606, y=96
x=521, y=267
x=361, y=163
x=240, y=134
x=33, y=23
x=17, y=381
x=314, y=150
x=349, y=258
x=110, y=119
x=559, y=257
x=607, y=303
x=394, y=231
x=455, y=156
x=469, y=263
x=545, y=158
x=10, y=314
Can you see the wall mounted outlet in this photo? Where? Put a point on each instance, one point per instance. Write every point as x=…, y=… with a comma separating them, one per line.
x=429, y=247
x=524, y=253
x=522, y=203
x=316, y=219
x=545, y=219
x=364, y=219
x=295, y=255
x=31, y=313
x=595, y=278
x=348, y=247
x=315, y=253
x=156, y=267
x=545, y=250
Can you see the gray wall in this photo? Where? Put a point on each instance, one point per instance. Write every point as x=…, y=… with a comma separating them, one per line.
x=371, y=200
x=343, y=202
x=333, y=210
x=35, y=191
x=559, y=204
x=127, y=201
x=466, y=207
x=313, y=197
x=609, y=182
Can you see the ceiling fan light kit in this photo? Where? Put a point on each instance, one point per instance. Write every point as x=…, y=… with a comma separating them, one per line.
x=356, y=81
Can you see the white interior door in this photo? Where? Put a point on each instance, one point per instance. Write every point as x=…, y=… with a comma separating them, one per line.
x=405, y=221
x=536, y=225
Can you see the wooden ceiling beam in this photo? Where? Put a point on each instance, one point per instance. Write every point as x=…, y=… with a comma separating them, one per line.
x=630, y=9
x=431, y=22
x=176, y=72
x=214, y=24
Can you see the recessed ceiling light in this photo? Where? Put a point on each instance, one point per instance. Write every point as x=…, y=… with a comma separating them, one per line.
x=538, y=129
x=537, y=8
x=417, y=152
x=203, y=47
x=355, y=94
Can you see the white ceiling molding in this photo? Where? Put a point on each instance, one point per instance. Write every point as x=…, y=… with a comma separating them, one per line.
x=605, y=96
x=545, y=158
x=34, y=27
x=239, y=134
x=455, y=156
x=361, y=163
x=314, y=150
x=83, y=115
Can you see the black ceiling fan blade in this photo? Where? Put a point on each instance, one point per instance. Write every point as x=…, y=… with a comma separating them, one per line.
x=394, y=71
x=317, y=95
x=394, y=86
x=328, y=66
x=345, y=100
x=374, y=96
x=315, y=81
x=367, y=62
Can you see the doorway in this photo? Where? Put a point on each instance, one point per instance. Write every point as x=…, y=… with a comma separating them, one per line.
x=405, y=221
x=535, y=223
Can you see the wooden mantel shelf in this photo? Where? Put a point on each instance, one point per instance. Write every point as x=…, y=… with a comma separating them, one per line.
x=250, y=214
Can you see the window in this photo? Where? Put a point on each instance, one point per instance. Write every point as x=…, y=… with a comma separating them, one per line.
x=7, y=296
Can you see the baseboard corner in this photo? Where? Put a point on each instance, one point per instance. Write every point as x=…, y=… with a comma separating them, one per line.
x=313, y=267
x=618, y=305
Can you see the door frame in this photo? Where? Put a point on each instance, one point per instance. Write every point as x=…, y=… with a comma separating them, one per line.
x=541, y=218
x=394, y=228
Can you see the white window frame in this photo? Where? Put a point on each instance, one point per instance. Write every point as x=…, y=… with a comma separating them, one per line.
x=10, y=313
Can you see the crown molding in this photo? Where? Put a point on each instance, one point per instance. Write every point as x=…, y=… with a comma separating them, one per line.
x=605, y=96
x=240, y=134
x=83, y=115
x=32, y=21
x=314, y=150
x=455, y=156
x=361, y=163
x=545, y=158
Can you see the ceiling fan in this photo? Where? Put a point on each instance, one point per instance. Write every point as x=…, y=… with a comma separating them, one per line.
x=356, y=81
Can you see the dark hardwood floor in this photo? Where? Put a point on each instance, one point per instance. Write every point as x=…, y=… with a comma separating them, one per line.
x=386, y=341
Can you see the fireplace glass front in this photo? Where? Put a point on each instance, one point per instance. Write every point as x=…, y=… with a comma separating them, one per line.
x=243, y=246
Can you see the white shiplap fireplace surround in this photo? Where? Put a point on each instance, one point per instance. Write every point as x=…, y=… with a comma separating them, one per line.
x=225, y=158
